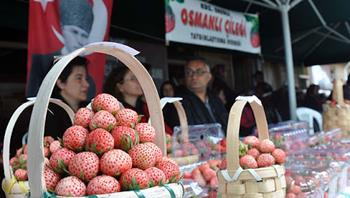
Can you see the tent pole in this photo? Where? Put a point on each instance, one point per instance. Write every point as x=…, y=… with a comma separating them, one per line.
x=284, y=8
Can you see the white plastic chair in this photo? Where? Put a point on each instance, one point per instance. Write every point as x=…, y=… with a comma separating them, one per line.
x=308, y=115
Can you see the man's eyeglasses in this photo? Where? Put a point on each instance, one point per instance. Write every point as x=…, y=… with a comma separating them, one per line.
x=198, y=72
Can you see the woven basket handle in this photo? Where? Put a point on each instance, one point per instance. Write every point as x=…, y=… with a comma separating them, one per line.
x=11, y=124
x=180, y=112
x=234, y=120
x=36, y=128
x=338, y=83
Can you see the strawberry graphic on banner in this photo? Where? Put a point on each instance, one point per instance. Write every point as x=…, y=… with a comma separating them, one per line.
x=58, y=27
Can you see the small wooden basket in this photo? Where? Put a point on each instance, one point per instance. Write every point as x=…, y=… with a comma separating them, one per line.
x=35, y=138
x=12, y=187
x=337, y=115
x=190, y=159
x=236, y=182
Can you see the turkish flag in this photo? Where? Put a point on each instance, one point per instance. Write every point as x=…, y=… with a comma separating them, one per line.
x=57, y=27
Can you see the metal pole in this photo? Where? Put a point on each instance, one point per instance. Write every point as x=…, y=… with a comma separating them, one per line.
x=289, y=60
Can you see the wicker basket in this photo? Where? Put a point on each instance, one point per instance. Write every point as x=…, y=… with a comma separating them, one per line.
x=249, y=183
x=35, y=150
x=337, y=115
x=12, y=187
x=190, y=159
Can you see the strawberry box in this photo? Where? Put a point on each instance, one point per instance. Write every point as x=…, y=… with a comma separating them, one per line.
x=113, y=158
x=246, y=176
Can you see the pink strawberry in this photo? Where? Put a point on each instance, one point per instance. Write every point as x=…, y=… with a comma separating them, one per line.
x=156, y=149
x=14, y=161
x=251, y=141
x=74, y=138
x=214, y=182
x=70, y=186
x=171, y=170
x=156, y=176
x=102, y=184
x=25, y=149
x=142, y=156
x=103, y=119
x=55, y=145
x=134, y=179
x=291, y=195
x=126, y=117
x=146, y=132
x=265, y=160
x=83, y=117
x=22, y=161
x=279, y=155
x=115, y=162
x=124, y=137
x=267, y=146
x=46, y=152
x=99, y=141
x=248, y=161
x=105, y=102
x=21, y=175
x=51, y=179
x=253, y=152
x=48, y=140
x=84, y=165
x=60, y=159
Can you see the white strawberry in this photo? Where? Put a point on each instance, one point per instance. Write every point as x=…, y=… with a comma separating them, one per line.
x=70, y=186
x=146, y=132
x=83, y=117
x=105, y=102
x=103, y=184
x=102, y=119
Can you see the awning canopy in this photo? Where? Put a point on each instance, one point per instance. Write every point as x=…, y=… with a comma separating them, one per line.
x=320, y=29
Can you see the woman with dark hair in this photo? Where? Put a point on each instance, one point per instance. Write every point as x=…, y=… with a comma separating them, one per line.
x=123, y=84
x=72, y=86
x=167, y=89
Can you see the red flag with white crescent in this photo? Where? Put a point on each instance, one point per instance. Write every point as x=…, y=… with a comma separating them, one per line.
x=58, y=27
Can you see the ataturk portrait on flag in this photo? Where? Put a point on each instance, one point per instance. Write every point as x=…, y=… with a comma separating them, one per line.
x=58, y=27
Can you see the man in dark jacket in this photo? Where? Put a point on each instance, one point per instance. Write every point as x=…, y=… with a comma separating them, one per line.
x=201, y=106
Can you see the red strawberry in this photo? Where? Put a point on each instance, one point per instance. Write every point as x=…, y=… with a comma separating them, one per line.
x=60, y=159
x=214, y=182
x=83, y=117
x=156, y=149
x=102, y=119
x=208, y=174
x=21, y=175
x=124, y=137
x=265, y=160
x=171, y=170
x=70, y=186
x=55, y=145
x=51, y=179
x=115, y=162
x=146, y=132
x=251, y=141
x=253, y=152
x=156, y=176
x=142, y=156
x=102, y=184
x=279, y=156
x=74, y=138
x=267, y=146
x=99, y=141
x=126, y=117
x=248, y=161
x=105, y=102
x=134, y=179
x=84, y=165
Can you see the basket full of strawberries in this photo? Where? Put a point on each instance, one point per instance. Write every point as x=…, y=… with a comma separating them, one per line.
x=15, y=183
x=254, y=166
x=107, y=152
